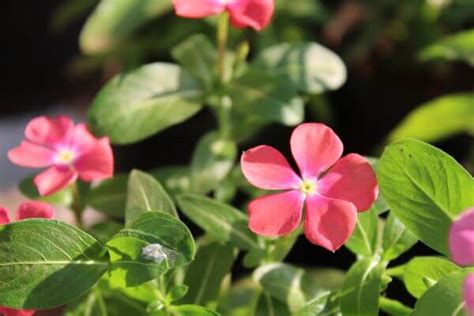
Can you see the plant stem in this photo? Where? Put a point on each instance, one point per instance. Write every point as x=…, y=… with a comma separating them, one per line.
x=76, y=205
x=222, y=37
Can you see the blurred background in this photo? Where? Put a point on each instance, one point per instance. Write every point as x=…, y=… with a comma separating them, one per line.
x=399, y=55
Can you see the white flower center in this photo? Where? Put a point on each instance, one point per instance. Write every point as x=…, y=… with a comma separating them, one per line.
x=308, y=187
x=65, y=156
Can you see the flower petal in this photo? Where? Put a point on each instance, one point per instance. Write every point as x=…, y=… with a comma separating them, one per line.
x=31, y=155
x=329, y=223
x=198, y=8
x=49, y=131
x=461, y=239
x=82, y=140
x=469, y=294
x=5, y=311
x=351, y=179
x=276, y=214
x=266, y=168
x=315, y=148
x=97, y=163
x=4, y=216
x=54, y=179
x=251, y=13
x=34, y=209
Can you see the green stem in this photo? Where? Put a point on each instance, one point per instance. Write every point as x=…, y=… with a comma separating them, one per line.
x=222, y=37
x=76, y=205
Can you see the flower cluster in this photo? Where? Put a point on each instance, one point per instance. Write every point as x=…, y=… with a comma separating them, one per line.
x=461, y=245
x=333, y=189
x=26, y=210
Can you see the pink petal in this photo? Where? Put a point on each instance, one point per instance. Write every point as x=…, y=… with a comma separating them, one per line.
x=4, y=216
x=198, y=8
x=5, y=311
x=54, y=179
x=82, y=140
x=351, y=179
x=469, y=294
x=266, y=168
x=276, y=214
x=251, y=13
x=461, y=239
x=97, y=163
x=315, y=148
x=49, y=131
x=329, y=223
x=31, y=155
x=35, y=209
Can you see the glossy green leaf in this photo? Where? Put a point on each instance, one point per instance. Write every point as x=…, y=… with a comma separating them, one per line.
x=145, y=193
x=393, y=307
x=314, y=307
x=361, y=290
x=420, y=273
x=191, y=310
x=114, y=20
x=288, y=284
x=28, y=189
x=364, y=238
x=453, y=114
x=425, y=188
x=198, y=55
x=396, y=238
x=46, y=263
x=212, y=161
x=221, y=222
x=140, y=103
x=445, y=298
x=206, y=273
x=148, y=247
x=262, y=96
x=109, y=196
x=177, y=292
x=311, y=67
x=459, y=46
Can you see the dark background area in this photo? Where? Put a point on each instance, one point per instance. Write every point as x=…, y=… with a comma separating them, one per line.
x=384, y=83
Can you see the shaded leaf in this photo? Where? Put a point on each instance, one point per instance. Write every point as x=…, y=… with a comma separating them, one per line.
x=459, y=46
x=396, y=238
x=109, y=196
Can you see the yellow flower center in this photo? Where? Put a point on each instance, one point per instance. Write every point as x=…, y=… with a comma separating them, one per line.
x=65, y=156
x=308, y=187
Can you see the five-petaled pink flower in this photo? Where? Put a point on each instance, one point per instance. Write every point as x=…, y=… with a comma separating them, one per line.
x=461, y=245
x=334, y=189
x=26, y=210
x=70, y=151
x=243, y=13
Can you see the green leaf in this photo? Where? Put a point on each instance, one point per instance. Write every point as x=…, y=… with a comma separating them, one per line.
x=135, y=105
x=393, y=307
x=109, y=196
x=105, y=230
x=266, y=97
x=177, y=292
x=396, y=239
x=221, y=222
x=145, y=193
x=364, y=238
x=459, y=46
x=28, y=189
x=113, y=21
x=445, y=298
x=453, y=114
x=241, y=299
x=46, y=263
x=314, y=307
x=269, y=306
x=191, y=310
x=206, y=273
x=212, y=161
x=421, y=272
x=91, y=304
x=311, y=67
x=198, y=55
x=149, y=246
x=286, y=283
x=361, y=290
x=176, y=179
x=425, y=188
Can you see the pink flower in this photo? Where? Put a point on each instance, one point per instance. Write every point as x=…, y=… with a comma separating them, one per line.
x=461, y=239
x=243, y=13
x=469, y=294
x=333, y=189
x=70, y=151
x=27, y=210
